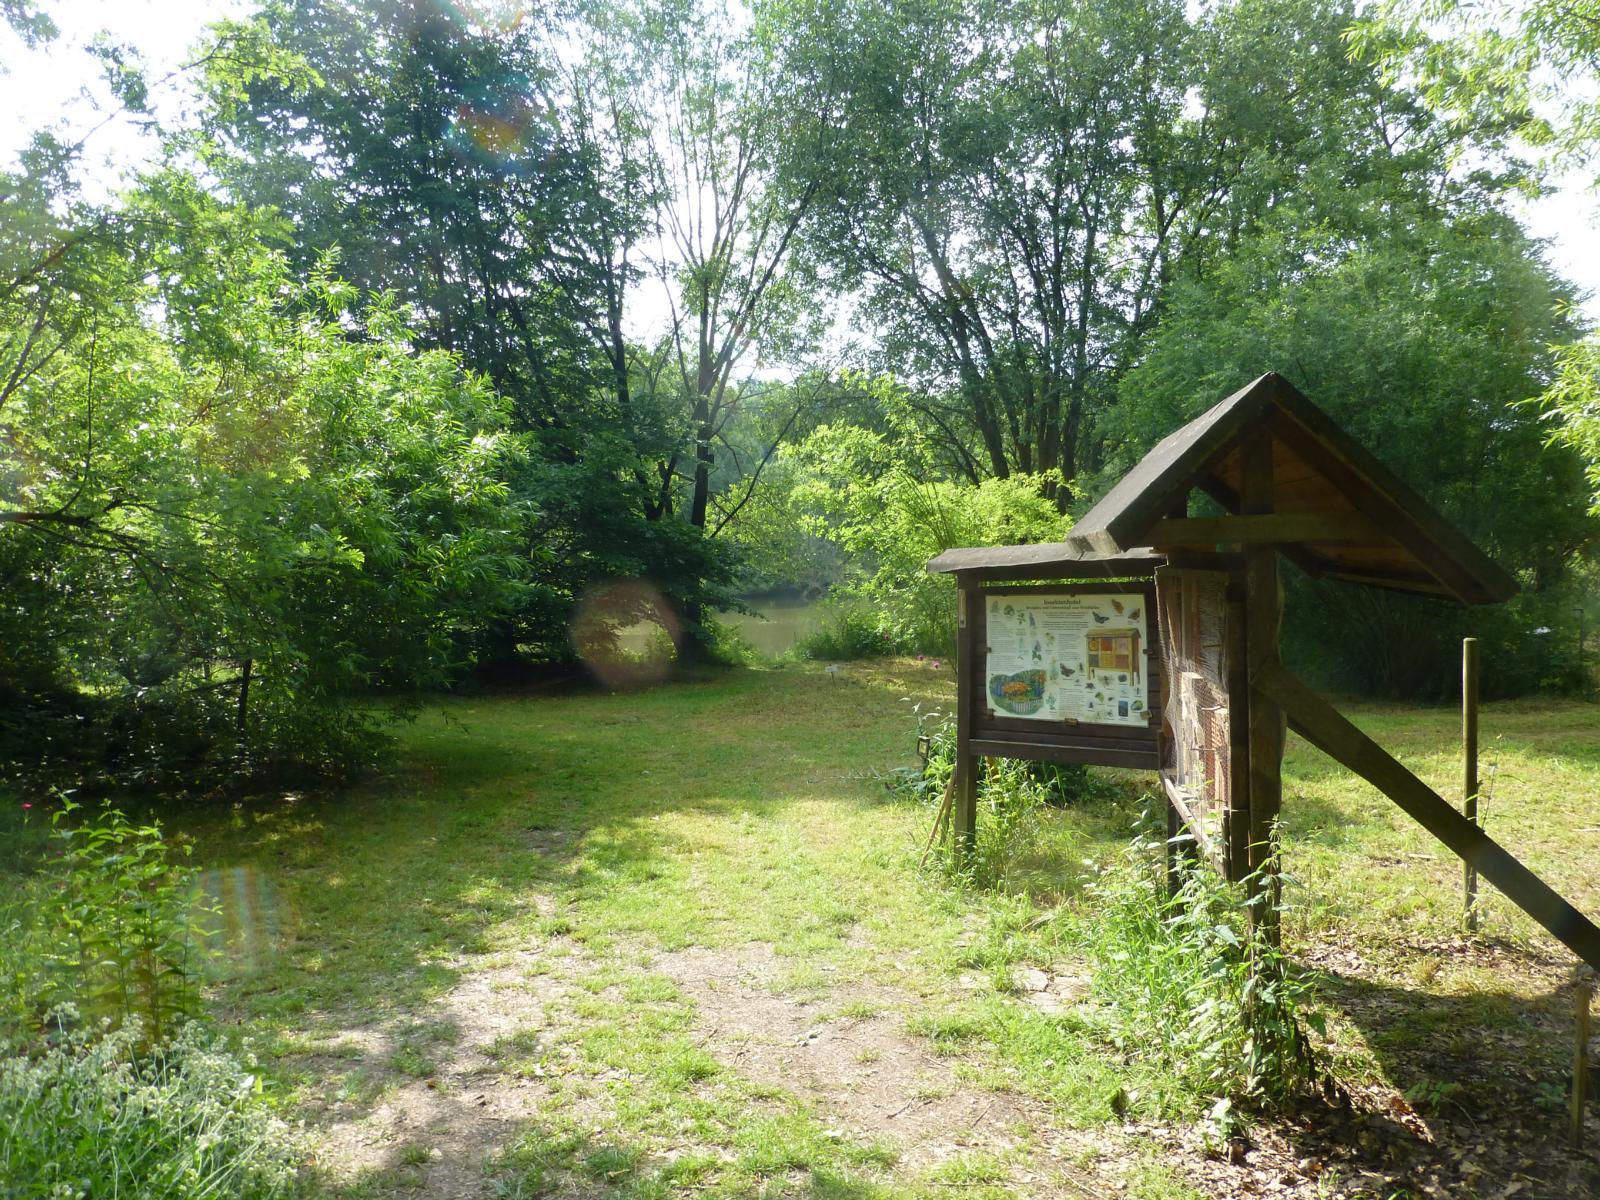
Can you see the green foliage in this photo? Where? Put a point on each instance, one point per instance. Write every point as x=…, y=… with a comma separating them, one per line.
x=847, y=629
x=110, y=924
x=1423, y=347
x=107, y=1119
x=1572, y=408
x=1527, y=68
x=1012, y=794
x=856, y=489
x=523, y=207
x=1014, y=188
x=237, y=501
x=1190, y=984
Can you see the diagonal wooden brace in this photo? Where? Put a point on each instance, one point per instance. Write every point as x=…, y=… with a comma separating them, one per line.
x=1314, y=719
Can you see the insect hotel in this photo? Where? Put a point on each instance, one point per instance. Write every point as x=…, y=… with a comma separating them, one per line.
x=1056, y=663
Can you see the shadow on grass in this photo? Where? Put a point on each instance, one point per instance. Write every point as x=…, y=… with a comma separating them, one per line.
x=1483, y=1073
x=508, y=825
x=540, y=1159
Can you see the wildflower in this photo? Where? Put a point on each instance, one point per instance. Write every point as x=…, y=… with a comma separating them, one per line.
x=920, y=657
x=936, y=664
x=26, y=805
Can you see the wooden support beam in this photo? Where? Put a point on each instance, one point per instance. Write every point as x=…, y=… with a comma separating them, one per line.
x=1178, y=804
x=1325, y=728
x=964, y=804
x=1263, y=618
x=1266, y=528
x=1416, y=527
x=1236, y=819
x=1469, y=769
x=1040, y=750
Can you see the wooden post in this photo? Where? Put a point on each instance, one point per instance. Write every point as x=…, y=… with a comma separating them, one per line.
x=1469, y=768
x=1263, y=623
x=1322, y=725
x=1580, y=1060
x=1236, y=819
x=1174, y=831
x=969, y=670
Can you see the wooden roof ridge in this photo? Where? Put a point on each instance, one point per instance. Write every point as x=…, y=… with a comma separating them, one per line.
x=1045, y=560
x=1439, y=558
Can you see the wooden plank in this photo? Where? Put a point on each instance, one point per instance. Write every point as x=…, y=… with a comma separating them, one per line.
x=1469, y=769
x=1263, y=618
x=1301, y=556
x=1193, y=456
x=969, y=670
x=1441, y=549
x=1146, y=493
x=1207, y=844
x=1090, y=753
x=1265, y=529
x=1132, y=568
x=1236, y=821
x=1325, y=728
x=1049, y=559
x=1144, y=584
x=1012, y=729
x=1412, y=584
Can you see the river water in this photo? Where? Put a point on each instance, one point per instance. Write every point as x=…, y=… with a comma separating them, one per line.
x=777, y=624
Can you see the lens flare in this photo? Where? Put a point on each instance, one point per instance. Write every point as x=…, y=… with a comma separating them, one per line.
x=488, y=16
x=250, y=924
x=504, y=128
x=626, y=633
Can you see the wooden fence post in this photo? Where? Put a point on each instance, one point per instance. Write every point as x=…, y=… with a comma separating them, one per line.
x=1263, y=606
x=1469, y=768
x=1580, y=1060
x=964, y=804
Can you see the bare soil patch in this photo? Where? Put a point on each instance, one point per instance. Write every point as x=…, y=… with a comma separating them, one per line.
x=875, y=1081
x=431, y=1132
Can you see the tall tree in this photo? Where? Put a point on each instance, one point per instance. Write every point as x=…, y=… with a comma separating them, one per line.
x=1013, y=185
x=440, y=159
x=678, y=93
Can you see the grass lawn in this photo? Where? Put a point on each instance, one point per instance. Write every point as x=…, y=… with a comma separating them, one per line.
x=675, y=943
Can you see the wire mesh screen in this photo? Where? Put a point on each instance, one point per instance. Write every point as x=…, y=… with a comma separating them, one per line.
x=1193, y=608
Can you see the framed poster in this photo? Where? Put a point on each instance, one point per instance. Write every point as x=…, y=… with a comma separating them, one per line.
x=1066, y=672
x=1068, y=657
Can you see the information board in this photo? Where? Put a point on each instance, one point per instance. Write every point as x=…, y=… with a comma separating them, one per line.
x=1079, y=657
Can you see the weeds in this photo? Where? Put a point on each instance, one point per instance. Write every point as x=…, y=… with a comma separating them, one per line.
x=110, y=924
x=1192, y=983
x=106, y=1118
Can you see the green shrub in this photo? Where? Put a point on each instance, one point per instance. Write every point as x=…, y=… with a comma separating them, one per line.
x=109, y=924
x=1011, y=794
x=848, y=630
x=1190, y=984
x=85, y=1120
x=887, y=512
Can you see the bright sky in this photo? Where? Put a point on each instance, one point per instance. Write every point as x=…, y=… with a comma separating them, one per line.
x=58, y=84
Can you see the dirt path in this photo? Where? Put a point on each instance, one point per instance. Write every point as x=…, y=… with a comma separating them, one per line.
x=844, y=1053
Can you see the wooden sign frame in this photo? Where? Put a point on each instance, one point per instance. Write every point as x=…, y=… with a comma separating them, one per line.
x=1067, y=741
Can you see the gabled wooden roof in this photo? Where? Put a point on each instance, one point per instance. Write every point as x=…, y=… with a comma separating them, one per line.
x=1335, y=509
x=1045, y=560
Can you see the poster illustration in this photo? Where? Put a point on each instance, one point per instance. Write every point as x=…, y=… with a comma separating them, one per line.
x=1077, y=656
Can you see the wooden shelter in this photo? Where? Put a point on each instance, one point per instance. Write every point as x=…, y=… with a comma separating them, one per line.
x=1217, y=698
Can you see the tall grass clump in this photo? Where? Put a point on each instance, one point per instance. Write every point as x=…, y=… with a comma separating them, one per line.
x=1012, y=796
x=90, y=1118
x=110, y=922
x=110, y=1084
x=1189, y=983
x=849, y=629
